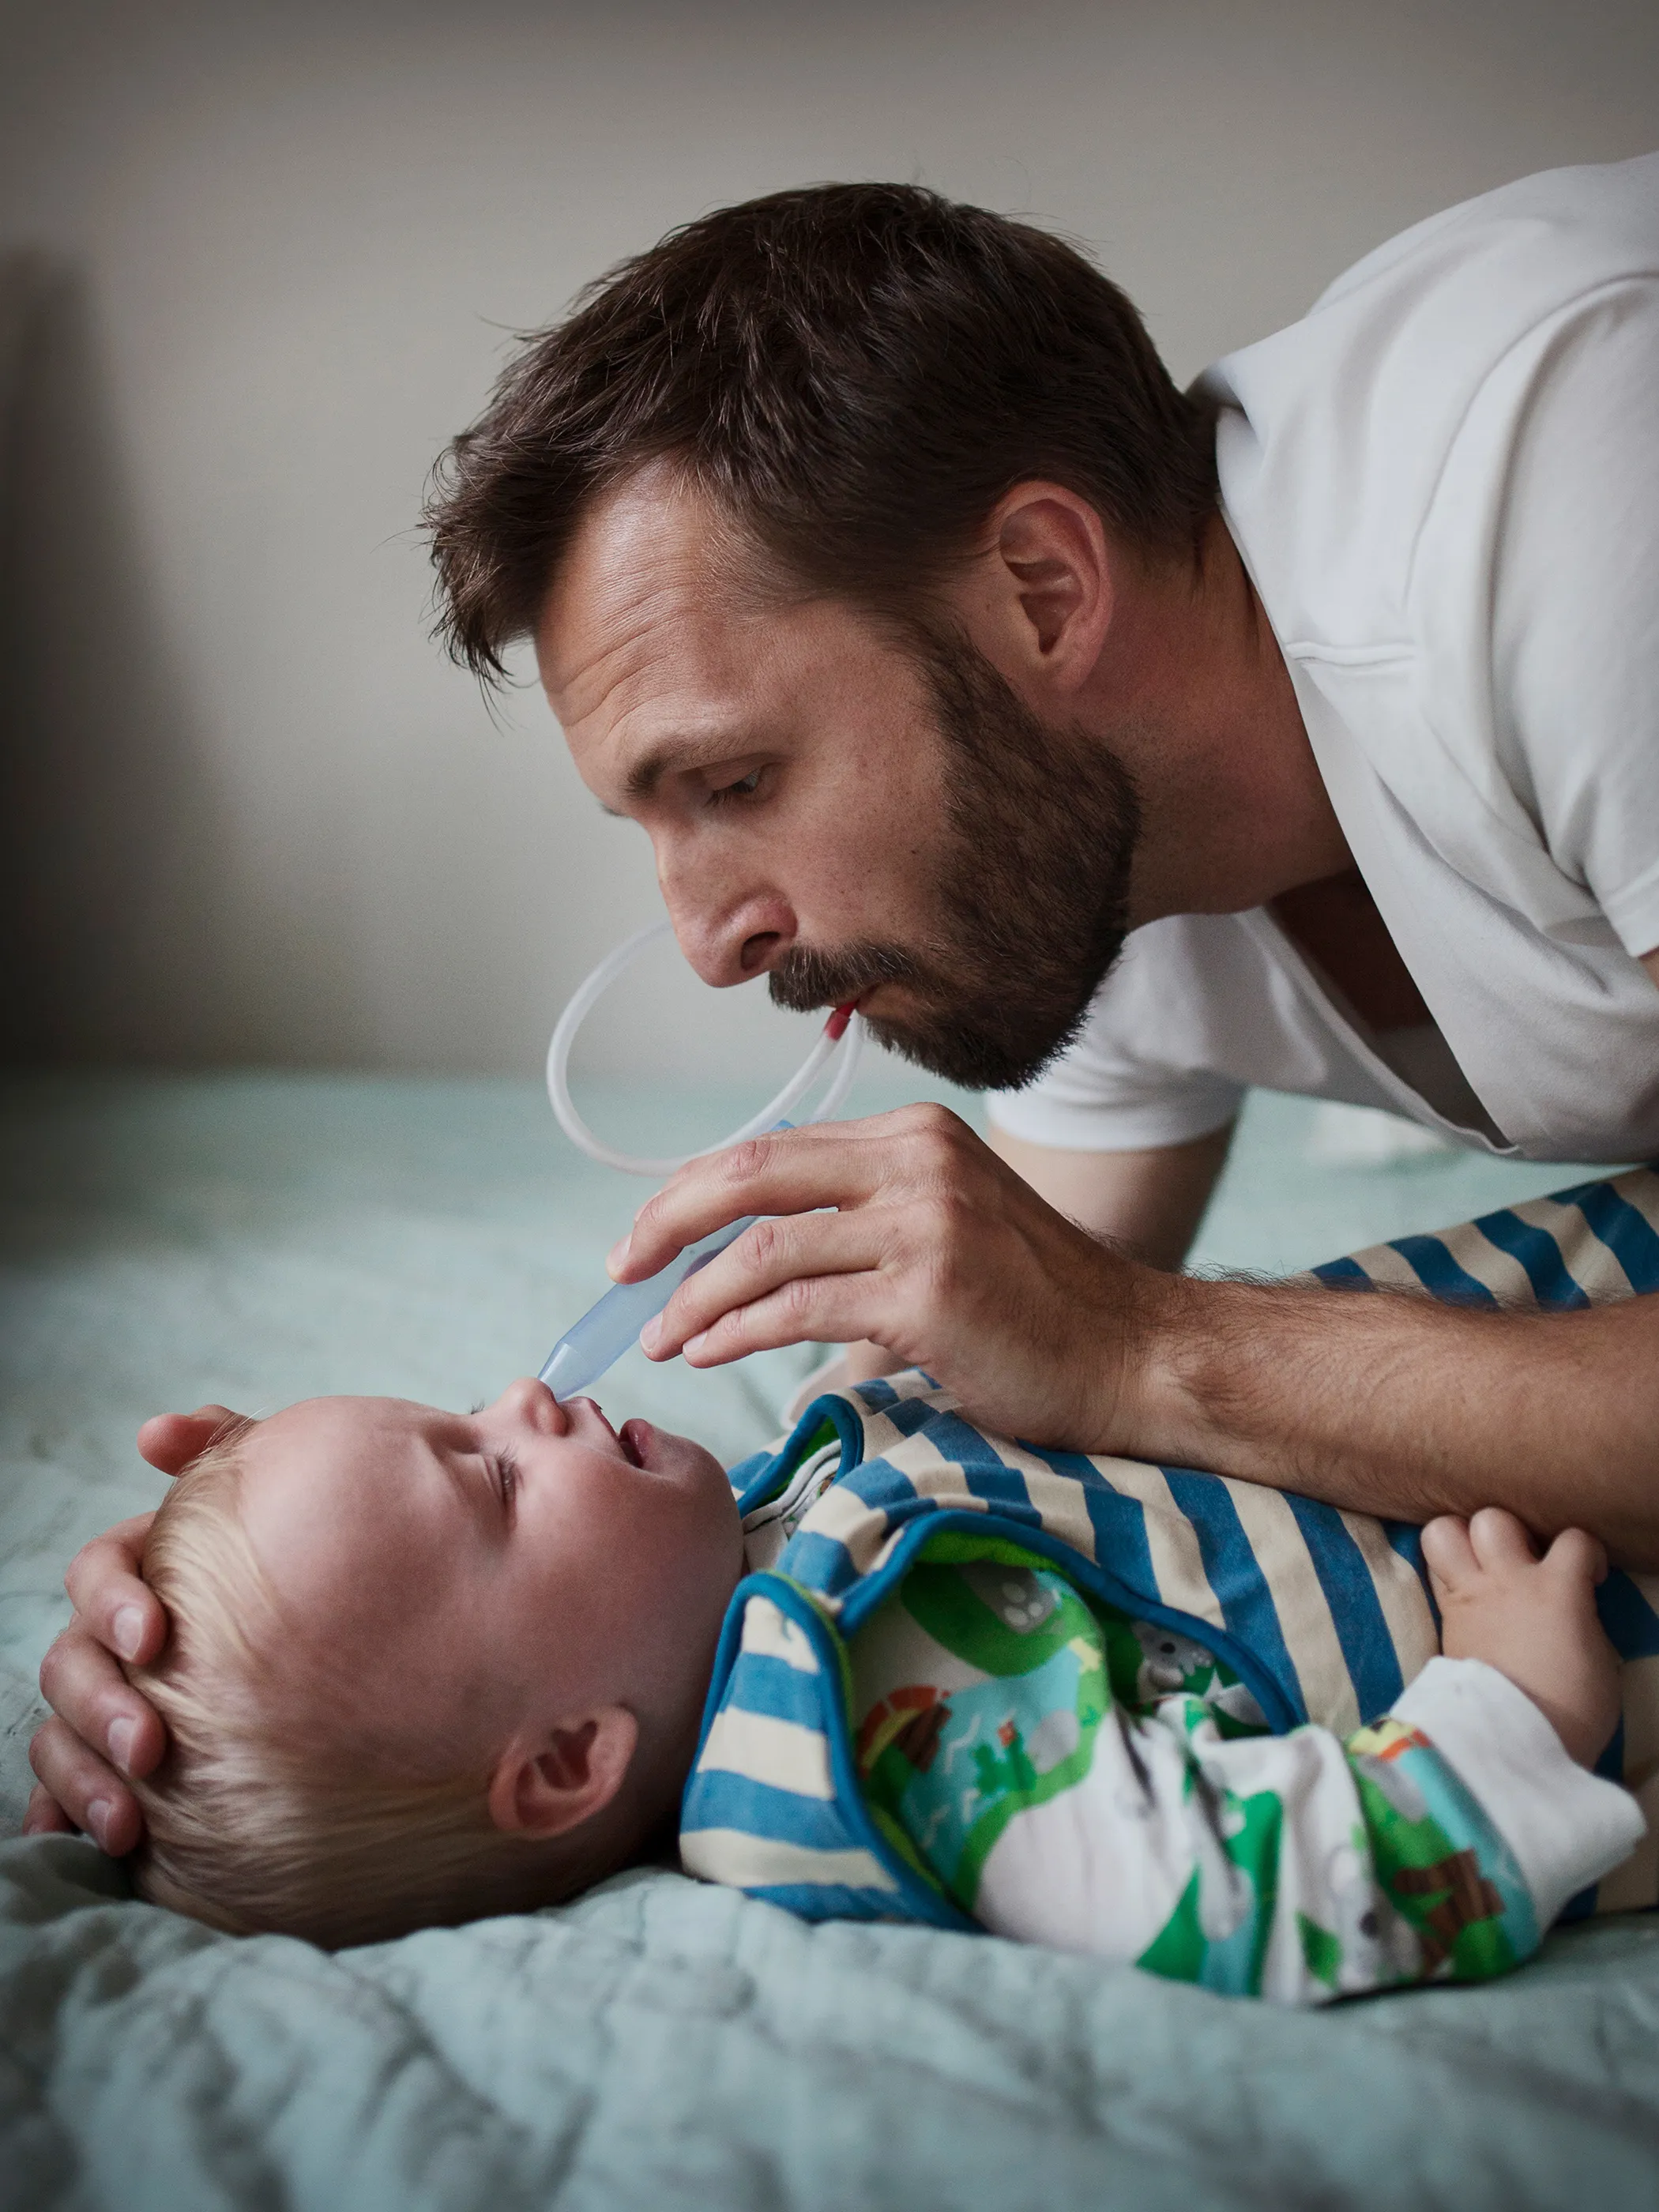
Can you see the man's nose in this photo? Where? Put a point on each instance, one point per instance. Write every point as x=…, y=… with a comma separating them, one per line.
x=732, y=946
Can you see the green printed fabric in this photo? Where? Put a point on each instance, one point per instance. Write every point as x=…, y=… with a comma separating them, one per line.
x=1070, y=1775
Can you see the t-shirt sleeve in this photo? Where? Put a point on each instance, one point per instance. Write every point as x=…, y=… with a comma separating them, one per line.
x=1575, y=607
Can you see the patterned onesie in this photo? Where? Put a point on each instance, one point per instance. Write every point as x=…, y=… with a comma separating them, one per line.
x=1052, y=1766
x=1076, y=1777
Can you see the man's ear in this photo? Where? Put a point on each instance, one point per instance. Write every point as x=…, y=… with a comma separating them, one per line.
x=1053, y=570
x=547, y=1784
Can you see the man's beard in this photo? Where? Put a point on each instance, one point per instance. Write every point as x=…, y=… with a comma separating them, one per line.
x=1030, y=890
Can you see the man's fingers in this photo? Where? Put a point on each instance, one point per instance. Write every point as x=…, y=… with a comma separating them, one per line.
x=827, y=1309
x=775, y=1251
x=170, y=1441
x=793, y=1171
x=89, y=1693
x=93, y=1795
x=113, y=1604
x=100, y=1723
x=765, y=1176
x=43, y=1815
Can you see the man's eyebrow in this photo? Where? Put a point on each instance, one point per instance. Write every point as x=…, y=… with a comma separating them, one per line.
x=648, y=771
x=683, y=756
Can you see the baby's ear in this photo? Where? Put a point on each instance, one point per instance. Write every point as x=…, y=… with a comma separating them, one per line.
x=549, y=1784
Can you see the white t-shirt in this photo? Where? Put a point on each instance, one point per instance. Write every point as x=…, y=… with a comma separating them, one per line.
x=1444, y=482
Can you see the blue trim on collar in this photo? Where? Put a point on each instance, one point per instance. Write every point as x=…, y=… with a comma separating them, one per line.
x=776, y=1467
x=921, y=1901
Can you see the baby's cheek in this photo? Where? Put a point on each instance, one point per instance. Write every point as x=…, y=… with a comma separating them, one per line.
x=702, y=1569
x=436, y=1681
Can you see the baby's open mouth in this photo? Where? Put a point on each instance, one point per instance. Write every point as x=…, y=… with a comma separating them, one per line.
x=631, y=1439
x=635, y=1437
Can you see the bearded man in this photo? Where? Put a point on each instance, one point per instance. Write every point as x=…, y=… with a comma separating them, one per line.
x=1114, y=749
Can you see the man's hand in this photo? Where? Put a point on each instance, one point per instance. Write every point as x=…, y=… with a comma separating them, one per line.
x=1145, y=1203
x=1391, y=1403
x=936, y=1250
x=102, y=1730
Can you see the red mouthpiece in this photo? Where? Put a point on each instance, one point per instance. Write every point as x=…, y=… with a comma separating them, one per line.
x=836, y=1024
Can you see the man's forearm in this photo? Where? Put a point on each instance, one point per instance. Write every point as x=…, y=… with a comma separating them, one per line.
x=905, y=1229
x=1402, y=1406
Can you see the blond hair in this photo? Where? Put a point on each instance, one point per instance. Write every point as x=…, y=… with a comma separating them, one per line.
x=270, y=1813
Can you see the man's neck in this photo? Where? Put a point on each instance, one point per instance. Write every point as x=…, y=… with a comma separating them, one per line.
x=1194, y=694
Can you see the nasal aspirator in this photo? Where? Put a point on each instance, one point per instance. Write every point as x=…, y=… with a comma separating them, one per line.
x=605, y=1331
x=608, y=1329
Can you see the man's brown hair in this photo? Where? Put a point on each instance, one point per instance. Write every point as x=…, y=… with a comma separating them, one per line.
x=856, y=374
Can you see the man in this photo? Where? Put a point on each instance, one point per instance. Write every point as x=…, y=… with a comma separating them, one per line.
x=875, y=567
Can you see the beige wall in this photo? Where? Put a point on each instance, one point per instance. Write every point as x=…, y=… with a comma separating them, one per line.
x=262, y=260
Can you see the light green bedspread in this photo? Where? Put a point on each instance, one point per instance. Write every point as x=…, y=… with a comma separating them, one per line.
x=658, y=2044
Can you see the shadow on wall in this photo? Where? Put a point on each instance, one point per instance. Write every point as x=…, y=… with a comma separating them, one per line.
x=105, y=824
x=109, y=860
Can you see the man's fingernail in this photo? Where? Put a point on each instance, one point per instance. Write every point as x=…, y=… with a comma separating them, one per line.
x=651, y=1334
x=128, y=1629
x=694, y=1343
x=121, y=1734
x=615, y=1257
x=98, y=1819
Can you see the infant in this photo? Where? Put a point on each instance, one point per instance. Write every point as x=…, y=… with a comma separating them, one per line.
x=426, y=1667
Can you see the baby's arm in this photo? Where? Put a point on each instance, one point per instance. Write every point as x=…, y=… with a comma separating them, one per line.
x=1441, y=1842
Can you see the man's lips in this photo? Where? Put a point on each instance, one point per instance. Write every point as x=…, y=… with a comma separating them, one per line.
x=892, y=1001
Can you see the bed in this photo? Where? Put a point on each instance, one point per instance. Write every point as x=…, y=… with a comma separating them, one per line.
x=657, y=2043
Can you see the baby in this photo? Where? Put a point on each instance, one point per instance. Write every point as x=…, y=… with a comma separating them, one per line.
x=426, y=1667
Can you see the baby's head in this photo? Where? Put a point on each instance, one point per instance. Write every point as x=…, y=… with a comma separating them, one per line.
x=424, y=1666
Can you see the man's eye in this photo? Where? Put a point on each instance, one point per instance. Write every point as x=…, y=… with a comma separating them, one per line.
x=745, y=788
x=506, y=1474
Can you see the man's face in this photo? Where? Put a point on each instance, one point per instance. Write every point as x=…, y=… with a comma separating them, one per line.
x=858, y=815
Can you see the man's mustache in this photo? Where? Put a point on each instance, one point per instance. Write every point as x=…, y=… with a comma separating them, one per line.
x=803, y=980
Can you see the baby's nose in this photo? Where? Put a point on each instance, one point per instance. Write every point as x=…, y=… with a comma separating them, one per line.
x=534, y=1404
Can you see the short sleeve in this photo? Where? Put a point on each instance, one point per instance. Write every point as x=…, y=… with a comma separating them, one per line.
x=1576, y=607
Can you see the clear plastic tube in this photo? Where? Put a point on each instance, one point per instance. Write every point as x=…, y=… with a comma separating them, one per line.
x=848, y=1037
x=593, y=1345
x=606, y=1330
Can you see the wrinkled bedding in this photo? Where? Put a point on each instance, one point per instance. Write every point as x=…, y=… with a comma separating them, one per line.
x=658, y=2044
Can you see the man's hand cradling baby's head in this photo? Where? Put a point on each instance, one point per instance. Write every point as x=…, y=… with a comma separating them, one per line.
x=425, y=1665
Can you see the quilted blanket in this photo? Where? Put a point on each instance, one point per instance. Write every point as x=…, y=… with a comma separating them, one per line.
x=657, y=2043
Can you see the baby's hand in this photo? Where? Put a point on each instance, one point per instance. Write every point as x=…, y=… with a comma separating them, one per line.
x=1534, y=1620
